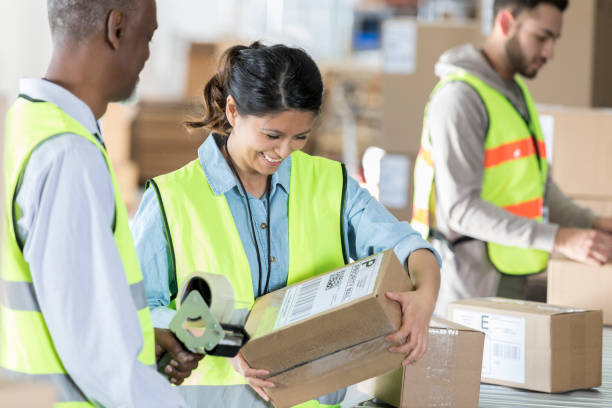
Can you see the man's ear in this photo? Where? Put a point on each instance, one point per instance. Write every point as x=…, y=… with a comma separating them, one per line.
x=506, y=21
x=115, y=28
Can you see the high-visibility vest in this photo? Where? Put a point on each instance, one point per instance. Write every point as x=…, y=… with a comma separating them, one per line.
x=203, y=237
x=515, y=172
x=26, y=348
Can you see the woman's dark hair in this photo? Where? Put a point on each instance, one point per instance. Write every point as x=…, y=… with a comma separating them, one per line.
x=262, y=80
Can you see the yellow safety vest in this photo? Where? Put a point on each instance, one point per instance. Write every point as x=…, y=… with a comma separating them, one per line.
x=202, y=236
x=515, y=172
x=26, y=348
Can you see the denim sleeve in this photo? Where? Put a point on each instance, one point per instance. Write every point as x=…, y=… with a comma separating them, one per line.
x=370, y=228
x=154, y=257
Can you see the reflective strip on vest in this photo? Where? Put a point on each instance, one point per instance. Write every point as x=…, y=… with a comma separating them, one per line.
x=203, y=237
x=27, y=348
x=515, y=172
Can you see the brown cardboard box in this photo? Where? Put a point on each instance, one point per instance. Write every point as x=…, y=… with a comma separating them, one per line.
x=127, y=178
x=160, y=142
x=27, y=395
x=406, y=95
x=601, y=206
x=320, y=343
x=202, y=64
x=582, y=60
x=534, y=345
x=593, y=292
x=582, y=142
x=116, y=128
x=448, y=375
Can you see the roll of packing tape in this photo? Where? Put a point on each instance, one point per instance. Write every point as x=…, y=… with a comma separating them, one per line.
x=216, y=290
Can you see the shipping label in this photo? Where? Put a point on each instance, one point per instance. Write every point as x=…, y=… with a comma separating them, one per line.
x=329, y=291
x=504, y=347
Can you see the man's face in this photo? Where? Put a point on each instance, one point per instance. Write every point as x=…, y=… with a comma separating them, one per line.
x=533, y=39
x=141, y=25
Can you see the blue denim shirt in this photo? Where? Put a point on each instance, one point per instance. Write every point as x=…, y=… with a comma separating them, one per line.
x=369, y=228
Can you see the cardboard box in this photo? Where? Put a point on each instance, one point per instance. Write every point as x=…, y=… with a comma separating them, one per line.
x=601, y=206
x=593, y=292
x=27, y=395
x=534, y=345
x=582, y=60
x=202, y=64
x=116, y=128
x=328, y=332
x=127, y=178
x=448, y=375
x=160, y=141
x=579, y=163
x=409, y=75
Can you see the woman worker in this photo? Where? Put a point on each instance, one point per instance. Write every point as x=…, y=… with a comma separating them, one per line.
x=255, y=208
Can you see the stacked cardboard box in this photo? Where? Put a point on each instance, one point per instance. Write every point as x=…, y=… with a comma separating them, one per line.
x=328, y=332
x=581, y=142
x=582, y=60
x=412, y=49
x=448, y=375
x=160, y=142
x=593, y=292
x=116, y=128
x=534, y=345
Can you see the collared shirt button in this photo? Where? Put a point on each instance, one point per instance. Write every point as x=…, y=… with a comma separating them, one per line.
x=272, y=258
x=264, y=225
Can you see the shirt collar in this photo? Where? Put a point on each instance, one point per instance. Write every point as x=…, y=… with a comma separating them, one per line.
x=220, y=176
x=47, y=91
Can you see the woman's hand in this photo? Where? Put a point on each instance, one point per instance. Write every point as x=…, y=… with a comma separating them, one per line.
x=254, y=377
x=417, y=306
x=411, y=338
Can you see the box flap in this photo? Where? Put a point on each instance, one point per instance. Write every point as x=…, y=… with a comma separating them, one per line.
x=516, y=305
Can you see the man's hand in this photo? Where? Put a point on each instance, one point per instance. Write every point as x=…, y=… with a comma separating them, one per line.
x=254, y=377
x=603, y=224
x=183, y=361
x=411, y=338
x=589, y=246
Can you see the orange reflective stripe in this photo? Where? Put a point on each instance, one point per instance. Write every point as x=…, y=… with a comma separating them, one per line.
x=509, y=151
x=426, y=155
x=420, y=215
x=528, y=209
x=542, y=149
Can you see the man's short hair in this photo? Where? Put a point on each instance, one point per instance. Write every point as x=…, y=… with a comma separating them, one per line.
x=517, y=6
x=77, y=19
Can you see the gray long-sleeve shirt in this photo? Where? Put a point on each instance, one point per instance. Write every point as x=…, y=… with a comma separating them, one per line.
x=457, y=122
x=67, y=204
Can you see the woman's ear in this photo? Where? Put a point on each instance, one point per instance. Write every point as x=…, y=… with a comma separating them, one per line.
x=231, y=110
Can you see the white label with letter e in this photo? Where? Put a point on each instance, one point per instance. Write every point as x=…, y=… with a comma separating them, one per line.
x=504, y=347
x=328, y=291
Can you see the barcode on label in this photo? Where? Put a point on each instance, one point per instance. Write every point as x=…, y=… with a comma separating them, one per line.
x=350, y=284
x=506, y=351
x=334, y=280
x=304, y=300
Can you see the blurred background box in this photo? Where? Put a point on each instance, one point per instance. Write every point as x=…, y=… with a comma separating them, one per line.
x=160, y=141
x=406, y=89
x=581, y=141
x=579, y=73
x=594, y=289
